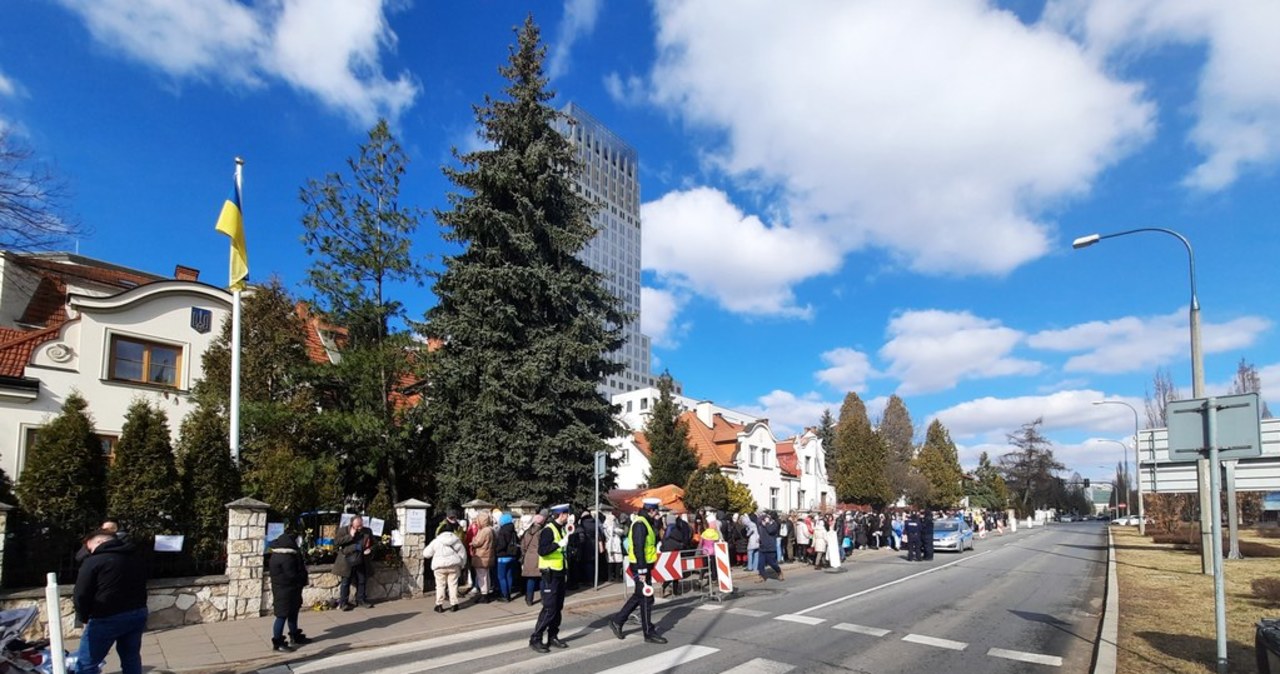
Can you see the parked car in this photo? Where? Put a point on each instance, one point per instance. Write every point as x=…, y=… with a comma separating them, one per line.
x=1131, y=521
x=1066, y=517
x=952, y=535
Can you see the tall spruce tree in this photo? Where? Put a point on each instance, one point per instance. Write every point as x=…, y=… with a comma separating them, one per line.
x=707, y=488
x=143, y=487
x=826, y=431
x=360, y=236
x=939, y=463
x=525, y=326
x=862, y=459
x=897, y=432
x=988, y=489
x=64, y=480
x=671, y=458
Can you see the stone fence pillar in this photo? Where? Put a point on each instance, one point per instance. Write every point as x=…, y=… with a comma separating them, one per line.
x=4, y=533
x=246, y=531
x=412, y=510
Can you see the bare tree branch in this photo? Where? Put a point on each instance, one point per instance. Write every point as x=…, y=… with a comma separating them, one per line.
x=32, y=199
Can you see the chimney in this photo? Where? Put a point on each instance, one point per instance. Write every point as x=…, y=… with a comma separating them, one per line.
x=703, y=410
x=186, y=273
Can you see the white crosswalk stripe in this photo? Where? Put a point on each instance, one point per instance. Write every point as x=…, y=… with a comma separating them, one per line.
x=760, y=666
x=860, y=629
x=663, y=661
x=367, y=655
x=802, y=619
x=1037, y=658
x=461, y=657
x=748, y=612
x=935, y=641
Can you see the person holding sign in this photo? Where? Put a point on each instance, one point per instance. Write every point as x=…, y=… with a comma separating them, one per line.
x=643, y=554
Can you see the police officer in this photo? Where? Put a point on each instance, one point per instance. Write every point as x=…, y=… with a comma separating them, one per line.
x=912, y=531
x=642, y=555
x=926, y=535
x=551, y=561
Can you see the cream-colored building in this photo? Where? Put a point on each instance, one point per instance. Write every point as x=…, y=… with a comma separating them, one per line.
x=70, y=323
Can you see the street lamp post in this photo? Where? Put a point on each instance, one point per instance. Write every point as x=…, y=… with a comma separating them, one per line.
x=1208, y=501
x=1125, y=457
x=1137, y=462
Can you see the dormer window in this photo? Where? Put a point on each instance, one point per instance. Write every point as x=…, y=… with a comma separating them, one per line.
x=330, y=343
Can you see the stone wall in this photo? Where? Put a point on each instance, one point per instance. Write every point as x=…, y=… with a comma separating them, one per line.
x=388, y=581
x=173, y=602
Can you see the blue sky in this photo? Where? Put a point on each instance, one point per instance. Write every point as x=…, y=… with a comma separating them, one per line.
x=867, y=196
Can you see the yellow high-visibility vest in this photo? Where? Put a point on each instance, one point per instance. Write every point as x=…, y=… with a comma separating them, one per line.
x=553, y=560
x=650, y=542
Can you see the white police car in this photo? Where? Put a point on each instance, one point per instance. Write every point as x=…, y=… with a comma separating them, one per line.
x=952, y=534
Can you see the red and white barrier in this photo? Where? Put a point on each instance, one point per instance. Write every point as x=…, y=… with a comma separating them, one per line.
x=724, y=574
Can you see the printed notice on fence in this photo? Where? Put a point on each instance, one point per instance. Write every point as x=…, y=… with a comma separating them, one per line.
x=375, y=525
x=166, y=543
x=416, y=521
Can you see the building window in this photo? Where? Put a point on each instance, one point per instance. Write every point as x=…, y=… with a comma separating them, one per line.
x=773, y=498
x=624, y=456
x=766, y=459
x=807, y=459
x=107, y=442
x=628, y=405
x=754, y=457
x=144, y=362
x=800, y=500
x=644, y=403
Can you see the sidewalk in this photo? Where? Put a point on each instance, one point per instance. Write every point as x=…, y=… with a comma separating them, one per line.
x=241, y=646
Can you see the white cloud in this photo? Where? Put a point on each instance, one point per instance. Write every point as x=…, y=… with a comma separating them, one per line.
x=990, y=419
x=579, y=20
x=697, y=241
x=1237, y=103
x=849, y=370
x=7, y=86
x=658, y=311
x=1270, y=377
x=934, y=350
x=937, y=130
x=788, y=413
x=626, y=91
x=1133, y=344
x=328, y=48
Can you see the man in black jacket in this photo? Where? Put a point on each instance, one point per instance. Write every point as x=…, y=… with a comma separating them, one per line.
x=642, y=554
x=111, y=600
x=768, y=531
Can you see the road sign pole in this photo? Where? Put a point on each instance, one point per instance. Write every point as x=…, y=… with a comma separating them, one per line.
x=1219, y=586
x=599, y=471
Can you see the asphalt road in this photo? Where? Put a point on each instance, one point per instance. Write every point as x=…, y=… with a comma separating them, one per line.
x=1023, y=602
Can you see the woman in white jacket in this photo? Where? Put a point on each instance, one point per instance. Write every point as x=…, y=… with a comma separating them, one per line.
x=448, y=555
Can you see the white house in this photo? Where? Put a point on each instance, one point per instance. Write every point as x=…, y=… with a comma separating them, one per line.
x=70, y=323
x=782, y=475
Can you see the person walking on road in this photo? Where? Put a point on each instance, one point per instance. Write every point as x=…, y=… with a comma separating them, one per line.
x=355, y=543
x=111, y=600
x=551, y=562
x=288, y=572
x=768, y=528
x=643, y=554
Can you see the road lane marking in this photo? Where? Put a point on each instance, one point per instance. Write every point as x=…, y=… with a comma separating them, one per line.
x=557, y=659
x=749, y=612
x=796, y=618
x=890, y=583
x=709, y=607
x=760, y=666
x=860, y=629
x=1036, y=658
x=663, y=661
x=935, y=641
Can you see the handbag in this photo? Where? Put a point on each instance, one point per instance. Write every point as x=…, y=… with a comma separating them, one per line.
x=847, y=542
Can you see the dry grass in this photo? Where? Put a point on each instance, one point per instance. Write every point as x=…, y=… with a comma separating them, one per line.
x=1166, y=605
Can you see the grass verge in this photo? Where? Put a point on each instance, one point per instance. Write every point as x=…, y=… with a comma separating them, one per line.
x=1166, y=605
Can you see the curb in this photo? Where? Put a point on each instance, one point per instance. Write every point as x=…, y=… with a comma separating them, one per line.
x=1104, y=657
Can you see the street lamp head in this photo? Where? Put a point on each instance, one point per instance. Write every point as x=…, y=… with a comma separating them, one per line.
x=1086, y=241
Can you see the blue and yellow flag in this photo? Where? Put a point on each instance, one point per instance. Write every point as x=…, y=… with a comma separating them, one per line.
x=231, y=223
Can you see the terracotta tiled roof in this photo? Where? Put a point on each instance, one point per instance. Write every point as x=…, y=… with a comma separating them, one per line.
x=48, y=303
x=16, y=353
x=630, y=500
x=105, y=275
x=718, y=444
x=314, y=324
x=788, y=462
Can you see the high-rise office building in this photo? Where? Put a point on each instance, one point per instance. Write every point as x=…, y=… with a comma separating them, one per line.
x=610, y=178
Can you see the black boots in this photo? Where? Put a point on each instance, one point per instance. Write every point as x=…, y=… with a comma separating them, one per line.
x=298, y=638
x=653, y=638
x=280, y=644
x=536, y=644
x=557, y=642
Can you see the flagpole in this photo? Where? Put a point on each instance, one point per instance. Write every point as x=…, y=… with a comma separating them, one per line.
x=235, y=343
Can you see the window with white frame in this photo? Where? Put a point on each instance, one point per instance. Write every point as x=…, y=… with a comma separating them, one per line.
x=754, y=456
x=807, y=461
x=766, y=458
x=773, y=498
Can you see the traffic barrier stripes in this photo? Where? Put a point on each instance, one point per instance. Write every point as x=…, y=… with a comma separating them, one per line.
x=724, y=572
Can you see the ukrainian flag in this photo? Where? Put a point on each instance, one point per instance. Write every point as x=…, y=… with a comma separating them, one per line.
x=231, y=223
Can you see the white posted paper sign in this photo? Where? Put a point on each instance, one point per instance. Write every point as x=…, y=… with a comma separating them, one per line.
x=274, y=529
x=346, y=520
x=375, y=525
x=416, y=521
x=165, y=543
x=397, y=538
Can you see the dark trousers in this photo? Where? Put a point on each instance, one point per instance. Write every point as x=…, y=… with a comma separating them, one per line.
x=914, y=551
x=927, y=544
x=769, y=559
x=277, y=629
x=344, y=586
x=553, y=585
x=124, y=631
x=645, y=604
